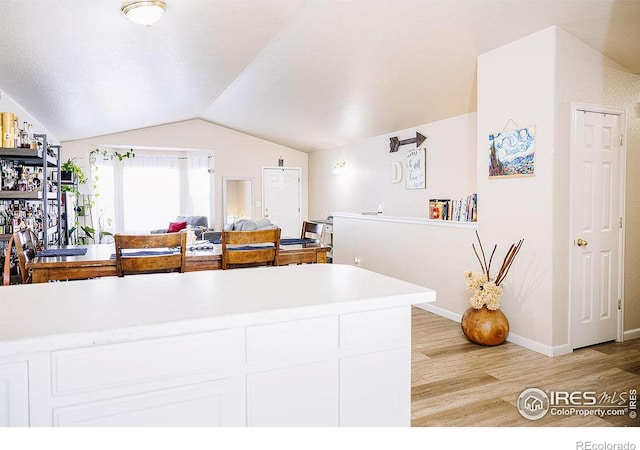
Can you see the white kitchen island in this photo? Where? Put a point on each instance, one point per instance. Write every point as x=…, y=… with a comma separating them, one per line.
x=307, y=345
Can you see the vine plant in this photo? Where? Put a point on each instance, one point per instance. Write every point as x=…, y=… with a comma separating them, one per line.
x=92, y=158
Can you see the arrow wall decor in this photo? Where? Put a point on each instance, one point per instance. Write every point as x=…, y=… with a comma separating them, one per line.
x=395, y=143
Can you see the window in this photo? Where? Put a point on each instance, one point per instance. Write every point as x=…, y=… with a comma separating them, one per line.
x=144, y=193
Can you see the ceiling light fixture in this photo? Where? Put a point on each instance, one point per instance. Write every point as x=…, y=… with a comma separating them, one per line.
x=144, y=12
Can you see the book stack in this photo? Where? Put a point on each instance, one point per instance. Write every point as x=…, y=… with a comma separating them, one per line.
x=463, y=210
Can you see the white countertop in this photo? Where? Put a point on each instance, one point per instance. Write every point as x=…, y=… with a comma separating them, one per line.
x=43, y=317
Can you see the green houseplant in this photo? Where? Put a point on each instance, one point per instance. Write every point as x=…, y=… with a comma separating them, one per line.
x=70, y=172
x=72, y=176
x=100, y=233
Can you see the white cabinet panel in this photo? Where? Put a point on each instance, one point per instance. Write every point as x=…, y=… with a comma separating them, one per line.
x=388, y=328
x=310, y=339
x=14, y=395
x=135, y=362
x=296, y=396
x=211, y=404
x=375, y=389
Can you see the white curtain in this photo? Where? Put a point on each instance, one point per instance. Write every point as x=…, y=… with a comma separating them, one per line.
x=151, y=192
x=147, y=192
x=198, y=186
x=102, y=176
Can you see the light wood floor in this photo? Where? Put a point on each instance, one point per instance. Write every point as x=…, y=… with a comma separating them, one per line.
x=457, y=383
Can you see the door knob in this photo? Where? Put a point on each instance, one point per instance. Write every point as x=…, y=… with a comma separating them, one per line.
x=581, y=243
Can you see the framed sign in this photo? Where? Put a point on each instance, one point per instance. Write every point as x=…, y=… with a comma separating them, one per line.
x=416, y=169
x=512, y=153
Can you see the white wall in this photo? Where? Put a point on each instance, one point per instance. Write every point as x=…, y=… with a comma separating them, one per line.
x=533, y=81
x=585, y=75
x=366, y=180
x=527, y=82
x=429, y=255
x=236, y=154
x=7, y=104
x=516, y=82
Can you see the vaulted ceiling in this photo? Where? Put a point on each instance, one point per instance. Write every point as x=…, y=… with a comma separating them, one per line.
x=309, y=74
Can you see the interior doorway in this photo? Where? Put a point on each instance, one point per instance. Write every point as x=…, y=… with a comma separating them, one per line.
x=597, y=216
x=281, y=198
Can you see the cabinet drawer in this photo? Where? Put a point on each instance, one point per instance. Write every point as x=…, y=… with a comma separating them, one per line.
x=217, y=403
x=383, y=328
x=110, y=366
x=309, y=339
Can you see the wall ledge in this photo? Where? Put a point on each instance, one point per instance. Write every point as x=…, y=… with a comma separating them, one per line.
x=407, y=220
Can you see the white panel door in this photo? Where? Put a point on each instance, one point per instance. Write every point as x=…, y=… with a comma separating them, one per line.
x=281, y=199
x=595, y=218
x=14, y=395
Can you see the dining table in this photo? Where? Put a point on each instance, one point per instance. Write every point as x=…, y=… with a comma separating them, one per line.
x=99, y=260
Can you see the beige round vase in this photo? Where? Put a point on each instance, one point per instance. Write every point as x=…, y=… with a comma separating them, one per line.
x=485, y=327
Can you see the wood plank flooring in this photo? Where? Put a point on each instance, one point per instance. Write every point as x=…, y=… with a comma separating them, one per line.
x=457, y=383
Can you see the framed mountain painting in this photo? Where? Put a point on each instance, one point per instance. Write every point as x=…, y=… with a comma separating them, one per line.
x=512, y=153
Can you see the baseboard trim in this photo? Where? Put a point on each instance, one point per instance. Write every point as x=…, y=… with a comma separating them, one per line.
x=440, y=311
x=546, y=350
x=631, y=334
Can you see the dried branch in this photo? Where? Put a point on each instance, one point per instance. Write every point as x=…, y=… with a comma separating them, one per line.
x=477, y=256
x=491, y=259
x=484, y=258
x=506, y=265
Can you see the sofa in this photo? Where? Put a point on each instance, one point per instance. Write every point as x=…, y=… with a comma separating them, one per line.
x=198, y=223
x=250, y=225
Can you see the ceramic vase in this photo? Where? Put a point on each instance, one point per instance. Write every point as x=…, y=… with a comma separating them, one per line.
x=485, y=327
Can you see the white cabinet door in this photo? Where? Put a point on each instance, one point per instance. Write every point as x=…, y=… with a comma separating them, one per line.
x=14, y=395
x=216, y=403
x=296, y=396
x=375, y=389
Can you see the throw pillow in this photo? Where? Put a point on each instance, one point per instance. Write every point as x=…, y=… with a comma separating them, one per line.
x=174, y=227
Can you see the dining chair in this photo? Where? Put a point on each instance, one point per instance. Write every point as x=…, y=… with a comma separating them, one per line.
x=313, y=230
x=27, y=246
x=150, y=253
x=250, y=248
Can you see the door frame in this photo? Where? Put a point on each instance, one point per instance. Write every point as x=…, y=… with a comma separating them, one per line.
x=299, y=169
x=599, y=109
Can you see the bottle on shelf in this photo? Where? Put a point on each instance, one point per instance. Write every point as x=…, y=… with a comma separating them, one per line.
x=2, y=220
x=7, y=130
x=24, y=136
x=32, y=140
x=17, y=133
x=37, y=180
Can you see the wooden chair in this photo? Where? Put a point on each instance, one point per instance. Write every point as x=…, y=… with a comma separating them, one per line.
x=150, y=253
x=311, y=230
x=250, y=248
x=27, y=246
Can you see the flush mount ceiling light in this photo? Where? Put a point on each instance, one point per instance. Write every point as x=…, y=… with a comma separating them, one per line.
x=144, y=12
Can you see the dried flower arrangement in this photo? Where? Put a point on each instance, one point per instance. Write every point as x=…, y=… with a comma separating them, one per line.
x=485, y=289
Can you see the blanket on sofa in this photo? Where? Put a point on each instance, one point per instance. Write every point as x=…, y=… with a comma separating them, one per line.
x=250, y=225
